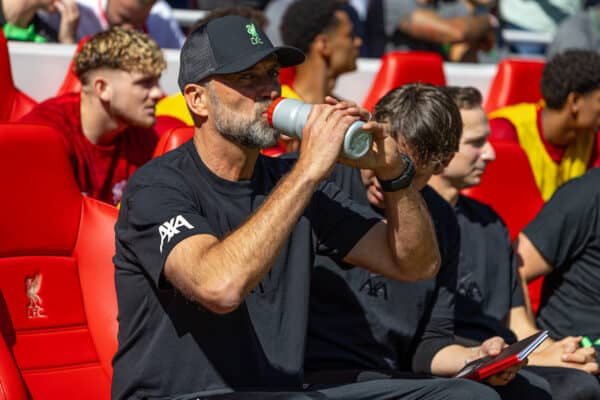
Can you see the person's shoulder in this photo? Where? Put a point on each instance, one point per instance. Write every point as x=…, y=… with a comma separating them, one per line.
x=168, y=170
x=61, y=111
x=476, y=210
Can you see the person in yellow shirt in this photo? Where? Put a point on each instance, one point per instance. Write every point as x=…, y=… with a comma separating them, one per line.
x=559, y=133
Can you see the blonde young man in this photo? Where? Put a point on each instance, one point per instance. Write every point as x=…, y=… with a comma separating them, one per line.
x=107, y=128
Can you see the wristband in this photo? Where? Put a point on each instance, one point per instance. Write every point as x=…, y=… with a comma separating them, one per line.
x=402, y=181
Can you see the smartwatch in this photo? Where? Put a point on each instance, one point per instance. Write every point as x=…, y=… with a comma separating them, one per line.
x=402, y=181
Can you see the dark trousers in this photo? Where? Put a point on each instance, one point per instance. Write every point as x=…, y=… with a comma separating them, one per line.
x=568, y=383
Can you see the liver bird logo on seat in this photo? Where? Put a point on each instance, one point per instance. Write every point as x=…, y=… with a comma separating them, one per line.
x=32, y=289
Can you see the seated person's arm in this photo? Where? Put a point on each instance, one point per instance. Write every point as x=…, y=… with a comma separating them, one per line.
x=219, y=274
x=531, y=264
x=427, y=25
x=451, y=359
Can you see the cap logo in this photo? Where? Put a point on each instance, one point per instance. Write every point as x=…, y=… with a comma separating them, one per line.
x=254, y=37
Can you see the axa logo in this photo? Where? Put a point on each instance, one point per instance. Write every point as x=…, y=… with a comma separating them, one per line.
x=375, y=286
x=171, y=227
x=33, y=285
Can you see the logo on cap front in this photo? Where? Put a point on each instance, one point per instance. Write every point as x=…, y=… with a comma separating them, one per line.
x=254, y=37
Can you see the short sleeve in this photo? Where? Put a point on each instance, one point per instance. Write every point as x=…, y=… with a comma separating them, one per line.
x=152, y=221
x=566, y=223
x=339, y=221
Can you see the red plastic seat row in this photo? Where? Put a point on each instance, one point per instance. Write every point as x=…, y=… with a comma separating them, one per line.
x=57, y=297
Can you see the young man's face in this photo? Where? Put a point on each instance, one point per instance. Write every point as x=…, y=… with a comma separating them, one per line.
x=133, y=97
x=474, y=151
x=239, y=103
x=344, y=45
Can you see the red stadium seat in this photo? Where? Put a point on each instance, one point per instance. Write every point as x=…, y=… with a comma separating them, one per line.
x=516, y=81
x=401, y=67
x=172, y=139
x=508, y=186
x=11, y=384
x=58, y=303
x=71, y=82
x=13, y=102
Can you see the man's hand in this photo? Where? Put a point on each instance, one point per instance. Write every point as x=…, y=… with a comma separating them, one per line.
x=568, y=354
x=69, y=20
x=493, y=347
x=323, y=135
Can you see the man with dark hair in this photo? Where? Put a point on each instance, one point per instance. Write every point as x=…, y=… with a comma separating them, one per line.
x=364, y=326
x=558, y=135
x=108, y=127
x=215, y=243
x=489, y=296
x=322, y=29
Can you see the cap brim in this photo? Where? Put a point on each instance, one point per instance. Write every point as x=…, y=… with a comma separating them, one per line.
x=287, y=56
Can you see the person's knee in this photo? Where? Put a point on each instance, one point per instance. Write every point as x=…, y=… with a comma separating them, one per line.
x=463, y=389
x=582, y=386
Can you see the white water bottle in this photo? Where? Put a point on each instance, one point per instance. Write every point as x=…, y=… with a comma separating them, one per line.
x=290, y=115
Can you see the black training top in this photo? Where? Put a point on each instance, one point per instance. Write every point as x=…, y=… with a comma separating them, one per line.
x=567, y=234
x=171, y=346
x=488, y=285
x=360, y=320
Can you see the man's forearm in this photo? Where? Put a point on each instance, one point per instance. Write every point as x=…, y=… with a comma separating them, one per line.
x=411, y=234
x=221, y=274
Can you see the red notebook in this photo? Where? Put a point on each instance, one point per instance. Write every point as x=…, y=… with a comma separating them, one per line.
x=515, y=353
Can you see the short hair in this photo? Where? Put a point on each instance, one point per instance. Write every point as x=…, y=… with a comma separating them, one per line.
x=118, y=48
x=571, y=71
x=426, y=117
x=305, y=19
x=256, y=16
x=465, y=97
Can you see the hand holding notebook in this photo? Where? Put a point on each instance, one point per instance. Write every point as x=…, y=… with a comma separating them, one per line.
x=487, y=366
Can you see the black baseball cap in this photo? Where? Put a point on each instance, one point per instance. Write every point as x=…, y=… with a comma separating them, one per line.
x=228, y=45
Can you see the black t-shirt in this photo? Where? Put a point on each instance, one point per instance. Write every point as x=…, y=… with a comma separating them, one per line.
x=171, y=346
x=360, y=320
x=566, y=232
x=488, y=285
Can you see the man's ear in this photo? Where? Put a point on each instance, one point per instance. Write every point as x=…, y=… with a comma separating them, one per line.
x=197, y=99
x=573, y=102
x=321, y=45
x=102, y=87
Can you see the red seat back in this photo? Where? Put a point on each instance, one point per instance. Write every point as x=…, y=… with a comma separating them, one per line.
x=516, y=81
x=13, y=102
x=172, y=139
x=11, y=384
x=401, y=67
x=57, y=296
x=71, y=82
x=508, y=186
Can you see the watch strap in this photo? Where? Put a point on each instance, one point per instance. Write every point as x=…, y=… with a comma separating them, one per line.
x=403, y=180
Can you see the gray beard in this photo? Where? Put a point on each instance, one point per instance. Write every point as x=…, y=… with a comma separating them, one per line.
x=253, y=134
x=256, y=135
